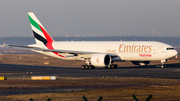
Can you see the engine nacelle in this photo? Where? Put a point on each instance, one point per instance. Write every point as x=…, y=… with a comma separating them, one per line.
x=141, y=63
x=100, y=60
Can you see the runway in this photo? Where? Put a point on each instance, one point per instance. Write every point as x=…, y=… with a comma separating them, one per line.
x=120, y=84
x=172, y=71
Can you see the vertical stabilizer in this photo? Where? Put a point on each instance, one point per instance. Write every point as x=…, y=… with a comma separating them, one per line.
x=40, y=33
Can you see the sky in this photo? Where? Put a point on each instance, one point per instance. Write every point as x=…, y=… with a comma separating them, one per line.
x=92, y=17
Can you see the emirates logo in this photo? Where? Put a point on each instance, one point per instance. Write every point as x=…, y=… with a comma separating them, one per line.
x=97, y=60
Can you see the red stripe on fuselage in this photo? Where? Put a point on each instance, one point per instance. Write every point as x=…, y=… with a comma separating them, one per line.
x=49, y=41
x=49, y=46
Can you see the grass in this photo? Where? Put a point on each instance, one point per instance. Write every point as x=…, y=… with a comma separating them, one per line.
x=119, y=89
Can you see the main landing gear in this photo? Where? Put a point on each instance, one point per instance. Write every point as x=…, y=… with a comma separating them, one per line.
x=111, y=66
x=88, y=67
x=93, y=67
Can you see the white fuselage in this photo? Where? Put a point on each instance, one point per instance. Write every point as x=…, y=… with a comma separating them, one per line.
x=126, y=50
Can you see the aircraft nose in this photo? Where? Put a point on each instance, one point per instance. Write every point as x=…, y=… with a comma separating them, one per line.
x=175, y=52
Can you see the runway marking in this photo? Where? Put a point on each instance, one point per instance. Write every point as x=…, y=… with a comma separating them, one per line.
x=11, y=73
x=177, y=70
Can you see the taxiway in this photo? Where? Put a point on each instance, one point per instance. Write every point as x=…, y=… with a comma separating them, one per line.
x=172, y=71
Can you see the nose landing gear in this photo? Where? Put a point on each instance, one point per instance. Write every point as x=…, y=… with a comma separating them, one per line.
x=162, y=63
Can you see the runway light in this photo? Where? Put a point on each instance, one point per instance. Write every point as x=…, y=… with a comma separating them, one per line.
x=43, y=77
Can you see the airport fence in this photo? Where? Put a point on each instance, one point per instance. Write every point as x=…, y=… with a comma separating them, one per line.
x=100, y=98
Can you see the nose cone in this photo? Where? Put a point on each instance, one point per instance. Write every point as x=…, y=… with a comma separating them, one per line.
x=172, y=53
x=175, y=53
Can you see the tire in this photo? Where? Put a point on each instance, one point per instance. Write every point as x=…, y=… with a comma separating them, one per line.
x=92, y=67
x=111, y=66
x=162, y=66
x=115, y=66
x=82, y=67
x=86, y=67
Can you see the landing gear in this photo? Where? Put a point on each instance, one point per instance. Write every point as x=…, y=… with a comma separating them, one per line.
x=115, y=66
x=91, y=67
x=163, y=66
x=162, y=63
x=111, y=66
x=83, y=67
x=87, y=67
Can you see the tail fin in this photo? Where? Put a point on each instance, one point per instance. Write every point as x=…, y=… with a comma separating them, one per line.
x=40, y=33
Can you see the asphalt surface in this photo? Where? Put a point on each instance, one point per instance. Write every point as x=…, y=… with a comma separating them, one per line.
x=172, y=71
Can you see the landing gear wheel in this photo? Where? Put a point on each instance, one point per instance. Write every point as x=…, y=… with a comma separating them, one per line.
x=163, y=66
x=115, y=66
x=92, y=67
x=83, y=67
x=86, y=67
x=111, y=66
x=162, y=63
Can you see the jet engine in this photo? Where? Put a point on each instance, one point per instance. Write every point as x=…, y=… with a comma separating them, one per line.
x=141, y=63
x=100, y=60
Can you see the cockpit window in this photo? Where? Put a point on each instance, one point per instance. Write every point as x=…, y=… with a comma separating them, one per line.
x=170, y=48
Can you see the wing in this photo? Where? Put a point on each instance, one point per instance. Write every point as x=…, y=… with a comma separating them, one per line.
x=55, y=50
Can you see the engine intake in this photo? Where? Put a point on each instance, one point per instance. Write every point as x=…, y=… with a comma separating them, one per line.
x=100, y=60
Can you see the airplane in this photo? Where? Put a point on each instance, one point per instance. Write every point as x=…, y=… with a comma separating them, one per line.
x=98, y=53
